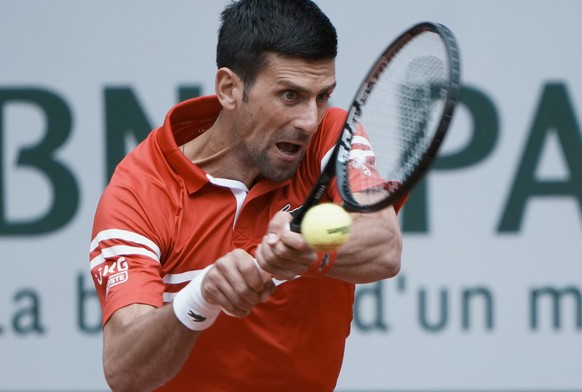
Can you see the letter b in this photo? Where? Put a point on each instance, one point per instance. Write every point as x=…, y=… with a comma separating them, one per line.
x=41, y=157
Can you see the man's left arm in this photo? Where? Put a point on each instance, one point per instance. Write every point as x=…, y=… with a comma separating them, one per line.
x=373, y=249
x=371, y=253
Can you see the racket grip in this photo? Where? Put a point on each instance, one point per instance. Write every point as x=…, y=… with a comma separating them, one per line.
x=295, y=227
x=295, y=224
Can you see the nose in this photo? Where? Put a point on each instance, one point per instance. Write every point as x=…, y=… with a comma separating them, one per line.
x=308, y=117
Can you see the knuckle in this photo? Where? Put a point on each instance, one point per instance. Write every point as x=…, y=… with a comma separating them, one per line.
x=248, y=268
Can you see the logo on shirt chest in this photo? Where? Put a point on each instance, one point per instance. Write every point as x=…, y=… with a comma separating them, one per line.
x=287, y=208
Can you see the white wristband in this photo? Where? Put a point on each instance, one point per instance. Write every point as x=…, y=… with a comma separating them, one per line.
x=190, y=306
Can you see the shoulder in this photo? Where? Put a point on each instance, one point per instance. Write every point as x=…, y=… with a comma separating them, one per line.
x=333, y=120
x=328, y=131
x=141, y=195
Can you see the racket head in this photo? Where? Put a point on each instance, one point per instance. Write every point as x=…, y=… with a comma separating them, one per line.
x=399, y=117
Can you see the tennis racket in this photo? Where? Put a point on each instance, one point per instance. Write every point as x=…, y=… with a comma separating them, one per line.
x=396, y=122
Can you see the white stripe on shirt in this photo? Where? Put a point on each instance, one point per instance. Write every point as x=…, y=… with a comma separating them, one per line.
x=124, y=235
x=122, y=250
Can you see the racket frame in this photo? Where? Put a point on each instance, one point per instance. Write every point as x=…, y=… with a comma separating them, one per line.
x=339, y=159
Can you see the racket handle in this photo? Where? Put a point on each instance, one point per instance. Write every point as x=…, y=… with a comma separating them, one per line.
x=295, y=224
x=296, y=228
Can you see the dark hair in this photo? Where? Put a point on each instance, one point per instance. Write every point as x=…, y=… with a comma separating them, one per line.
x=252, y=28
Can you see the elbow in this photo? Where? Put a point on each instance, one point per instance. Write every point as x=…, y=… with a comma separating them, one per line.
x=113, y=380
x=119, y=380
x=390, y=266
x=388, y=249
x=116, y=382
x=391, y=259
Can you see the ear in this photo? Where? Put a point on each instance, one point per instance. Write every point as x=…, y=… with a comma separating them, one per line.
x=229, y=88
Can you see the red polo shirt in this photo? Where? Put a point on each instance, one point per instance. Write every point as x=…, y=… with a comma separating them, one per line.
x=162, y=218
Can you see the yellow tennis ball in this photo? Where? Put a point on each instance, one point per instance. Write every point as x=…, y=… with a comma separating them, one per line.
x=326, y=226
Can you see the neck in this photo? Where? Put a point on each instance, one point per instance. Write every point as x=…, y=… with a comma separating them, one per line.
x=216, y=152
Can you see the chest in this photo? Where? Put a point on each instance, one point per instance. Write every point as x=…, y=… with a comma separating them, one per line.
x=216, y=220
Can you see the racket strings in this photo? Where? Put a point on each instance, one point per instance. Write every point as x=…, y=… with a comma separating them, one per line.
x=400, y=116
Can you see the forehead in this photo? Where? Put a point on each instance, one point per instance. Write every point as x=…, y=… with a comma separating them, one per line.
x=286, y=70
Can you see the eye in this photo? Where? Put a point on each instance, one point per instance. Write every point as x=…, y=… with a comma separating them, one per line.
x=289, y=95
x=323, y=97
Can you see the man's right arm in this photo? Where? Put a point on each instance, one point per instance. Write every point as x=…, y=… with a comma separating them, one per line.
x=144, y=347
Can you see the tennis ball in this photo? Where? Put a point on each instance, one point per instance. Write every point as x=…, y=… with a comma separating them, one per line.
x=326, y=226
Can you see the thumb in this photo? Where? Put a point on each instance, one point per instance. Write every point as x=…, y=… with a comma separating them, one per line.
x=280, y=221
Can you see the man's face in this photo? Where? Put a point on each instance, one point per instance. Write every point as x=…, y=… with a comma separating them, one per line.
x=285, y=105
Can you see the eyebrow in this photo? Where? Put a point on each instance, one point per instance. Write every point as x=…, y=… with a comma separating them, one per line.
x=303, y=90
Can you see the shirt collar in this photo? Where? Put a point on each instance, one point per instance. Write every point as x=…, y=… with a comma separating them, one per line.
x=184, y=122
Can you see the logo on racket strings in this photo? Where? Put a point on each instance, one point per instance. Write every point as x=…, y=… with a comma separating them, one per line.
x=345, y=144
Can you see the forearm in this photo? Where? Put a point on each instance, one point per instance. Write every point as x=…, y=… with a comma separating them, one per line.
x=146, y=349
x=373, y=250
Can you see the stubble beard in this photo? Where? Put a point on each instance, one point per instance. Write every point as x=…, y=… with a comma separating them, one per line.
x=270, y=171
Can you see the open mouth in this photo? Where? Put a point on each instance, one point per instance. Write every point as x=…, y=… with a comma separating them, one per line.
x=288, y=148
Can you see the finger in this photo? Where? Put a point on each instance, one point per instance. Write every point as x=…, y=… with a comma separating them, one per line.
x=248, y=282
x=278, y=268
x=268, y=284
x=285, y=257
x=267, y=291
x=279, y=222
x=265, y=276
x=294, y=240
x=234, y=286
x=245, y=282
x=219, y=291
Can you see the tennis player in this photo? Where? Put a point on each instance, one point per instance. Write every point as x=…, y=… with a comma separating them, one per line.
x=192, y=211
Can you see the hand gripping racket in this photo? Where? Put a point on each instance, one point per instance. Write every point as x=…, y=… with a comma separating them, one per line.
x=396, y=122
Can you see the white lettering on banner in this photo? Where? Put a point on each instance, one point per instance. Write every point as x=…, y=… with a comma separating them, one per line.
x=489, y=293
